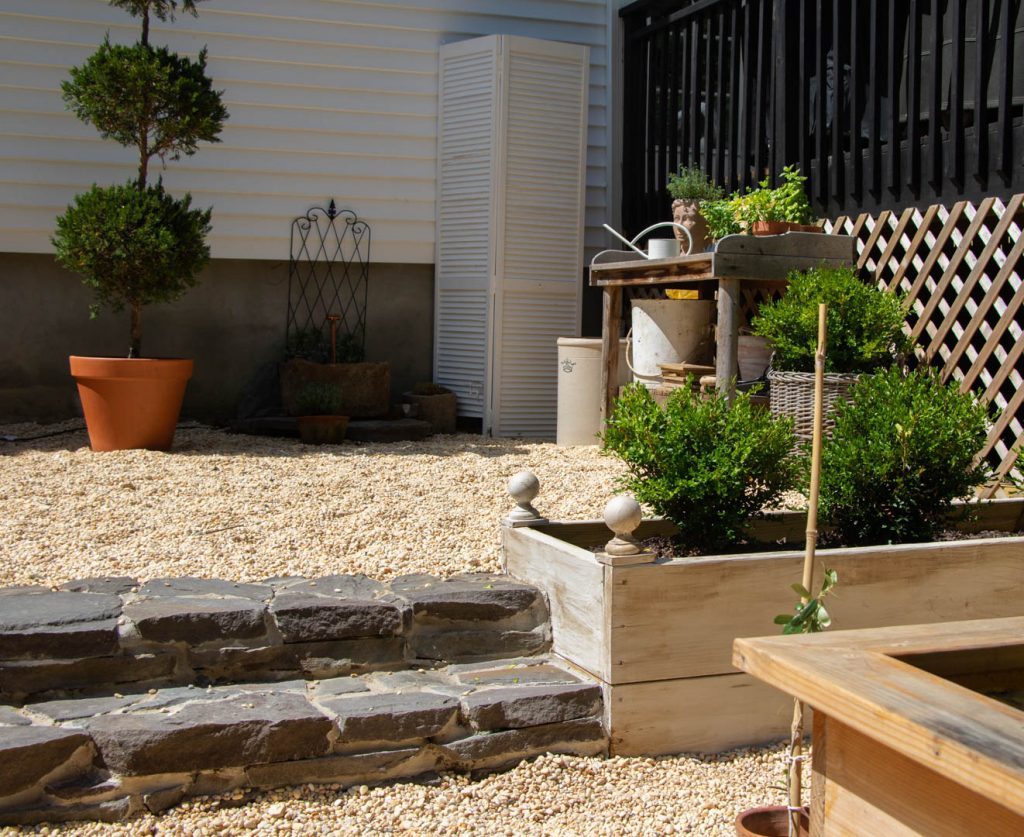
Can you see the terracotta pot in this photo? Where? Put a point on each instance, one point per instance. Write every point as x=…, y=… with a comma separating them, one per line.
x=768, y=821
x=687, y=213
x=322, y=430
x=131, y=402
x=779, y=227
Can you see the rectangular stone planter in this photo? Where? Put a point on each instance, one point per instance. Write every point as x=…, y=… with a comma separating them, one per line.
x=659, y=636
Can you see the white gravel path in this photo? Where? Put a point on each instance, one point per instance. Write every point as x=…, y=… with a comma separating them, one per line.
x=245, y=508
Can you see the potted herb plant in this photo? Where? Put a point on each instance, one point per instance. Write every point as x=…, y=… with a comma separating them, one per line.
x=318, y=409
x=865, y=327
x=133, y=243
x=688, y=187
x=762, y=211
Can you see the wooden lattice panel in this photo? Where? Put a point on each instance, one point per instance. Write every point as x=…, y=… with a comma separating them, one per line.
x=960, y=270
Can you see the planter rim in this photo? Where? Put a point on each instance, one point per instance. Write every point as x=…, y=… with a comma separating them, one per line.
x=86, y=367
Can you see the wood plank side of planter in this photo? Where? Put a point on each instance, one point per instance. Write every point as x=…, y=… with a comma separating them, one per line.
x=679, y=619
x=695, y=715
x=574, y=582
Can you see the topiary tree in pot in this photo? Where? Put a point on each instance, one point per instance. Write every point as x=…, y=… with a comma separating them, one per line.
x=133, y=243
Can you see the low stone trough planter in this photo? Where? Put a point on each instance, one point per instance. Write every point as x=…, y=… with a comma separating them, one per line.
x=659, y=635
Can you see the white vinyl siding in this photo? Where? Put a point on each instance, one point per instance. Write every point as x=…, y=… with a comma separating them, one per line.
x=327, y=98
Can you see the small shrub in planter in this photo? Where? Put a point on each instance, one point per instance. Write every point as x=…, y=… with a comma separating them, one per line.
x=319, y=407
x=865, y=324
x=318, y=400
x=786, y=205
x=688, y=187
x=704, y=465
x=902, y=450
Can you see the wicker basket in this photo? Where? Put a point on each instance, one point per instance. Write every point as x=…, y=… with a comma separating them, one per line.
x=792, y=394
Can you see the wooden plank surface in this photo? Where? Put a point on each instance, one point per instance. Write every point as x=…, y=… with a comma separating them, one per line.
x=679, y=619
x=573, y=581
x=853, y=678
x=695, y=715
x=869, y=788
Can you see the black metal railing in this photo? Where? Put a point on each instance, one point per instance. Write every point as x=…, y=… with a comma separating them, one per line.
x=882, y=103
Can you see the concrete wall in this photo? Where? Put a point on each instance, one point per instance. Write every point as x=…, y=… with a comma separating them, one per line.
x=232, y=324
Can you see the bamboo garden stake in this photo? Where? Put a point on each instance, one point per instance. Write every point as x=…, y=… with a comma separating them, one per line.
x=797, y=731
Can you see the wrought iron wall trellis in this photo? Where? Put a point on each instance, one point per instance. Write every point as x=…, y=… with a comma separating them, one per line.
x=883, y=103
x=328, y=276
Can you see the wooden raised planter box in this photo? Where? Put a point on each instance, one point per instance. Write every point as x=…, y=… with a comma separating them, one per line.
x=659, y=636
x=913, y=731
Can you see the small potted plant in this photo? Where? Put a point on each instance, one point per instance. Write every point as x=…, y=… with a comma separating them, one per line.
x=434, y=404
x=762, y=211
x=865, y=328
x=133, y=243
x=318, y=412
x=688, y=187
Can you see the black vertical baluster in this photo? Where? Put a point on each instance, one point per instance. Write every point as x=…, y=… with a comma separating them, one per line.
x=803, y=107
x=672, y=80
x=661, y=81
x=734, y=98
x=820, y=184
x=874, y=102
x=956, y=97
x=720, y=107
x=981, y=93
x=747, y=87
x=1004, y=129
x=695, y=89
x=895, y=66
x=709, y=51
x=650, y=178
x=684, y=94
x=780, y=86
x=839, y=110
x=914, y=98
x=935, y=118
x=760, y=79
x=856, y=111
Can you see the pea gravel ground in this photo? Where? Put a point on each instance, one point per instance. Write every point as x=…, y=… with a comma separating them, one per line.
x=245, y=508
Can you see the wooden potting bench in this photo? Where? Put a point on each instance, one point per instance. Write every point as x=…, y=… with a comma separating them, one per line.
x=740, y=262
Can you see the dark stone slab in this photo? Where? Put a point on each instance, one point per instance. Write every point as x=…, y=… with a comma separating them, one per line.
x=252, y=729
x=341, y=769
x=87, y=787
x=113, y=810
x=11, y=717
x=453, y=645
x=194, y=620
x=492, y=749
x=390, y=717
x=27, y=754
x=34, y=677
x=513, y=675
x=388, y=430
x=308, y=659
x=302, y=617
x=19, y=589
x=83, y=707
x=339, y=686
x=358, y=586
x=191, y=586
x=469, y=597
x=76, y=639
x=415, y=681
x=32, y=609
x=160, y=800
x=115, y=585
x=530, y=706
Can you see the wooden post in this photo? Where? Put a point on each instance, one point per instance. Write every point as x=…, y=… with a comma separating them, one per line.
x=727, y=345
x=611, y=321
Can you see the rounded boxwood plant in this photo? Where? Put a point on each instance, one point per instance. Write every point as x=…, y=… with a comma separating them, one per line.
x=705, y=465
x=865, y=324
x=903, y=448
x=135, y=244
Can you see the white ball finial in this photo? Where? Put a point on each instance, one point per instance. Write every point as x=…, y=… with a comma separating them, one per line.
x=622, y=515
x=524, y=487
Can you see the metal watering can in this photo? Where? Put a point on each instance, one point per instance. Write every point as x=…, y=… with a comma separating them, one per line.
x=657, y=248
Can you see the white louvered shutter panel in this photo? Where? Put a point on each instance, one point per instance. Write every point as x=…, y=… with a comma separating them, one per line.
x=513, y=209
x=465, y=239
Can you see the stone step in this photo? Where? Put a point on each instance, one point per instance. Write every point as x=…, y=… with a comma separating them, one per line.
x=98, y=634
x=108, y=757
